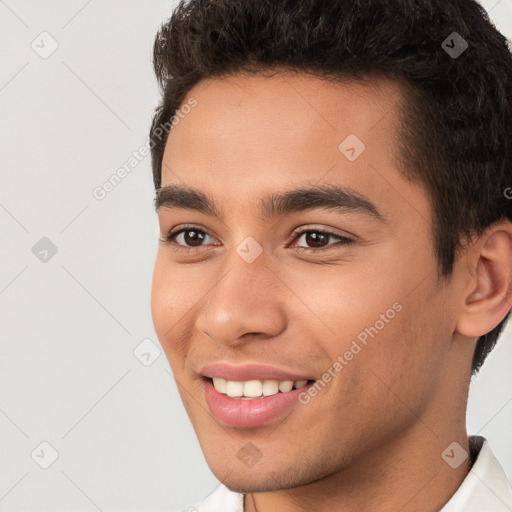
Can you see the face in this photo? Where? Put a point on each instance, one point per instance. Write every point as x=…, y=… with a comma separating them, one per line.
x=302, y=255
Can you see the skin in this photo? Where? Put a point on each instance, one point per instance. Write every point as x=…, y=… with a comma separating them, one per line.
x=372, y=438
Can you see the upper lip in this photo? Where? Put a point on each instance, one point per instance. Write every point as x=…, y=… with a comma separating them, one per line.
x=250, y=371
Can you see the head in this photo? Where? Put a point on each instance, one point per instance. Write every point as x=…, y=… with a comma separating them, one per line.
x=357, y=121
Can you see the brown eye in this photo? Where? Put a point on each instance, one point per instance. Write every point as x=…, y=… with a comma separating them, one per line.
x=193, y=237
x=186, y=238
x=316, y=239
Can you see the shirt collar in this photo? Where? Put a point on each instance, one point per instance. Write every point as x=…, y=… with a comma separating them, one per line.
x=485, y=487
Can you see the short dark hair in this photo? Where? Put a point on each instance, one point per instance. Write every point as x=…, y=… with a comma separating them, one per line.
x=456, y=119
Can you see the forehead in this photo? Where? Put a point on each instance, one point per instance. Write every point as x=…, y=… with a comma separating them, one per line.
x=250, y=134
x=286, y=112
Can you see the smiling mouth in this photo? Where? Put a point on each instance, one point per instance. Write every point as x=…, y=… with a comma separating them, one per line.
x=252, y=389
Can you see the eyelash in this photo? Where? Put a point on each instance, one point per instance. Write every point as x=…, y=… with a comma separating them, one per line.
x=169, y=239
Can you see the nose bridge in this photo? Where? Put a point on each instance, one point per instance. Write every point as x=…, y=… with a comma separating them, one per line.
x=245, y=299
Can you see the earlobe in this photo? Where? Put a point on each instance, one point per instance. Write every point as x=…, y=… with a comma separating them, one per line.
x=489, y=297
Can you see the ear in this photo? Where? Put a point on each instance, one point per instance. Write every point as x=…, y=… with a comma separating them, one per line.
x=488, y=297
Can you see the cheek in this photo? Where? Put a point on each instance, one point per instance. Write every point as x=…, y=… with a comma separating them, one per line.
x=397, y=371
x=168, y=311
x=172, y=297
x=161, y=301
x=380, y=329
x=349, y=305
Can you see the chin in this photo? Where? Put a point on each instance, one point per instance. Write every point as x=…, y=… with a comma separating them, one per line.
x=248, y=483
x=264, y=479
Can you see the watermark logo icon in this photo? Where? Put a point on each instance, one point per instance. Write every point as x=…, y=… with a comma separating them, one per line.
x=147, y=352
x=249, y=249
x=454, y=45
x=454, y=455
x=249, y=454
x=351, y=147
x=44, y=250
x=44, y=455
x=44, y=45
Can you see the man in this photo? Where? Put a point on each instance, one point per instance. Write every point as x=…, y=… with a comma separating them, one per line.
x=336, y=247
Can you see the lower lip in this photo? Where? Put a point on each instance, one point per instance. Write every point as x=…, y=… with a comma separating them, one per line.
x=235, y=412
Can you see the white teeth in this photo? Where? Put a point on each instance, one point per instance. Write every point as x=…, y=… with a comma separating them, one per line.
x=270, y=387
x=220, y=384
x=234, y=389
x=255, y=388
x=286, y=386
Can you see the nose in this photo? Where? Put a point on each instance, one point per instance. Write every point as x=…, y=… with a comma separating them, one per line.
x=247, y=301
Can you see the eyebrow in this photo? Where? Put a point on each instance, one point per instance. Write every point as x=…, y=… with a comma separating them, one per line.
x=329, y=197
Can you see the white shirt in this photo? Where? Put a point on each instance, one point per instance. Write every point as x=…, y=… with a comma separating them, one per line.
x=485, y=488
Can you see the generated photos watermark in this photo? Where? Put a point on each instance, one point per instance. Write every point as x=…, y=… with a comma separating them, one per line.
x=100, y=192
x=355, y=348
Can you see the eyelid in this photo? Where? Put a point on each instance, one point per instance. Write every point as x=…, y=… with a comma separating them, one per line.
x=172, y=234
x=297, y=233
x=345, y=240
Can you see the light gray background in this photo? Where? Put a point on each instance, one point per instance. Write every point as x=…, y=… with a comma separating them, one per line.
x=69, y=326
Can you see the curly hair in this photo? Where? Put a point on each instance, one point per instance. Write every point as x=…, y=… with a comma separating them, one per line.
x=455, y=134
